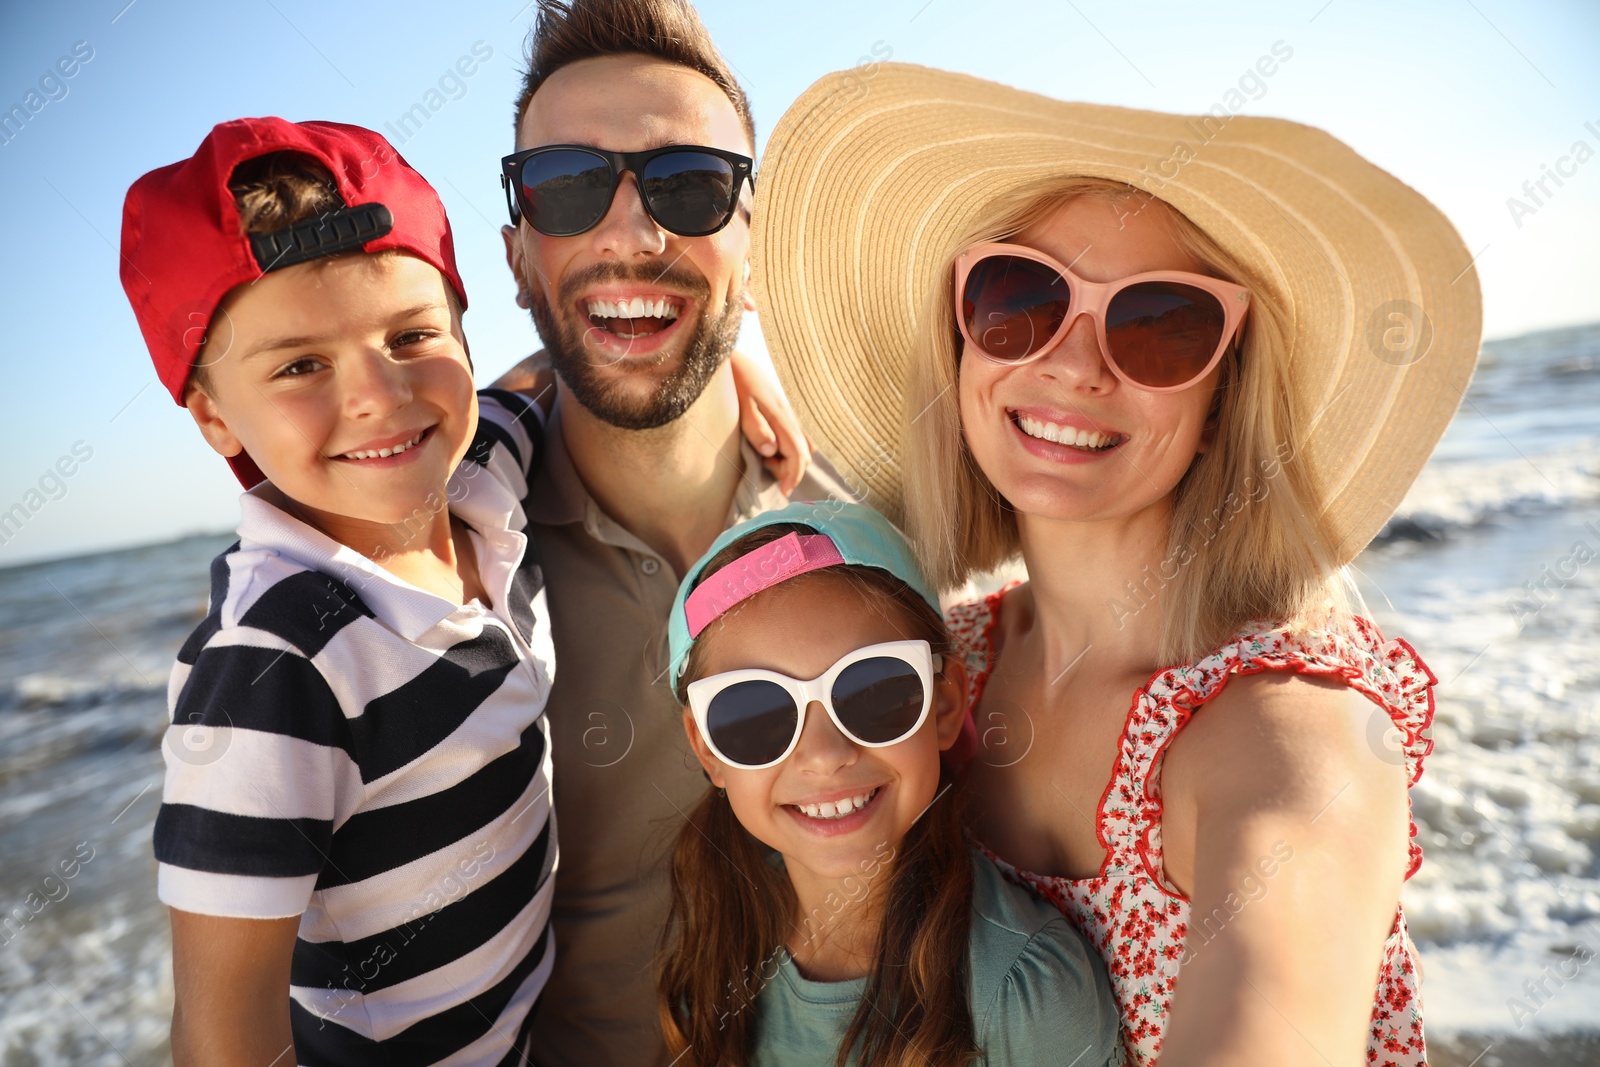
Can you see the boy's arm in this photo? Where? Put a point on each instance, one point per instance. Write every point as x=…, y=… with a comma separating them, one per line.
x=231, y=985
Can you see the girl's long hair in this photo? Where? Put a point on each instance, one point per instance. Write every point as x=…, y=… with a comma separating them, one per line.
x=734, y=911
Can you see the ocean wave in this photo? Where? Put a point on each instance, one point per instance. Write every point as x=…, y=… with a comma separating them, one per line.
x=1460, y=496
x=33, y=692
x=1559, y=354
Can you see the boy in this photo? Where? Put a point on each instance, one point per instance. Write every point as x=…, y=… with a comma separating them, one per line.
x=357, y=790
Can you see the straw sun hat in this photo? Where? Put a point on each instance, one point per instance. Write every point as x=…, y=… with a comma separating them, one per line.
x=867, y=183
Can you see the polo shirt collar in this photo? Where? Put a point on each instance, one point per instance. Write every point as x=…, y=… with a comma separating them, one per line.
x=558, y=496
x=406, y=609
x=480, y=499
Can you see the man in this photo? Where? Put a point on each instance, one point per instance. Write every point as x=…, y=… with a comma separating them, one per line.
x=645, y=463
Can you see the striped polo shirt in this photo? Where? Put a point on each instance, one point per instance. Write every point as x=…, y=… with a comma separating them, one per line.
x=350, y=749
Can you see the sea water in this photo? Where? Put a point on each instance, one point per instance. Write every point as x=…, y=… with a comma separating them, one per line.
x=1491, y=569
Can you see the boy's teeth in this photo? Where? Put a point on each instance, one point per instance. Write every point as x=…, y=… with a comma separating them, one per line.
x=636, y=308
x=379, y=453
x=836, y=809
x=1063, y=435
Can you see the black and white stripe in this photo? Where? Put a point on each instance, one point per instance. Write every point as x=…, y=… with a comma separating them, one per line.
x=355, y=751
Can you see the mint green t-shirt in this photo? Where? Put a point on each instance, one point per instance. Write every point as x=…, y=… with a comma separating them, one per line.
x=1038, y=993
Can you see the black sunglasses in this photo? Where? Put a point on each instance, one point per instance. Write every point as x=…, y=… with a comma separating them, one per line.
x=566, y=189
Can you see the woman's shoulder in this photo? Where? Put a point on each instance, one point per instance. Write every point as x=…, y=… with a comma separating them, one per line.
x=1292, y=674
x=1353, y=650
x=1037, y=987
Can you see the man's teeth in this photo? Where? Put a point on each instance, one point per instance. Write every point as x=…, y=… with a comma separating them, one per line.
x=1063, y=435
x=379, y=453
x=637, y=308
x=836, y=809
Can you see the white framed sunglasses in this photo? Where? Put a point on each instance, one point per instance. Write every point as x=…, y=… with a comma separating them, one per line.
x=877, y=696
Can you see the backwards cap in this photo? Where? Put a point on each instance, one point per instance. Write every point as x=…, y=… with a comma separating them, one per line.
x=184, y=246
x=847, y=534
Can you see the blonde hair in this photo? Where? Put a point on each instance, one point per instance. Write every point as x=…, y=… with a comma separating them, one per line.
x=1246, y=541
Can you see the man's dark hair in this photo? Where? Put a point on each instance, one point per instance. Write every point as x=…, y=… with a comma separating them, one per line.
x=569, y=30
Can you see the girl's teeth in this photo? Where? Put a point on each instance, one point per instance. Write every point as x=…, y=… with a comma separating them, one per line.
x=379, y=453
x=1063, y=435
x=836, y=809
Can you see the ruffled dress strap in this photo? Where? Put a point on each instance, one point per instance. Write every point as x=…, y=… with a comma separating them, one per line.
x=971, y=625
x=1389, y=673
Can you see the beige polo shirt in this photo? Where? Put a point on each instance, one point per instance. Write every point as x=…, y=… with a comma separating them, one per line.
x=623, y=773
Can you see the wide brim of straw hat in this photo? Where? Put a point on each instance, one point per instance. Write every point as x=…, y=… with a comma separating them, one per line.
x=868, y=182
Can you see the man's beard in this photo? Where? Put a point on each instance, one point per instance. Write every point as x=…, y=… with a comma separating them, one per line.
x=715, y=333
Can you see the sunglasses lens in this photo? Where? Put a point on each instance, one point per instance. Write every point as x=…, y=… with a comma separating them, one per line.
x=879, y=699
x=752, y=723
x=1012, y=306
x=1162, y=334
x=690, y=193
x=565, y=191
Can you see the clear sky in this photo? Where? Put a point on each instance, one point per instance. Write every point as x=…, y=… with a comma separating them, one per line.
x=1466, y=100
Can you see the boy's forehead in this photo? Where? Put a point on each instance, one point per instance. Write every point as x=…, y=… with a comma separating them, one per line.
x=628, y=104
x=321, y=290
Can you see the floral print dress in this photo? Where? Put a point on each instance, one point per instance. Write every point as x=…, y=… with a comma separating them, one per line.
x=1128, y=910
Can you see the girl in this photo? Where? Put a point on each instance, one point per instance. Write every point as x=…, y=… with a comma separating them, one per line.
x=825, y=904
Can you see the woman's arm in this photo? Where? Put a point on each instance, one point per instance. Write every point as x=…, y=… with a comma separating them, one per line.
x=1299, y=833
x=767, y=420
x=231, y=983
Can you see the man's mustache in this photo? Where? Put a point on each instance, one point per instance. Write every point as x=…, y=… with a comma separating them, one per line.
x=682, y=279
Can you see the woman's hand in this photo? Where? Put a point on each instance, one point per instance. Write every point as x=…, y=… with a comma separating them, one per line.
x=767, y=420
x=1299, y=833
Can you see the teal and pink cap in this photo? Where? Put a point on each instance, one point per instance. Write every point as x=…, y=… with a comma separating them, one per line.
x=846, y=535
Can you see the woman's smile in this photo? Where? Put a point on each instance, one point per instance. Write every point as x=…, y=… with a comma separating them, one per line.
x=1063, y=438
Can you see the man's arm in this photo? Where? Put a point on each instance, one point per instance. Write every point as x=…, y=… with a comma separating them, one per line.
x=534, y=377
x=231, y=980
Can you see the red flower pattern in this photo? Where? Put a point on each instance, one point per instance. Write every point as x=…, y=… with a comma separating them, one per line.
x=1133, y=917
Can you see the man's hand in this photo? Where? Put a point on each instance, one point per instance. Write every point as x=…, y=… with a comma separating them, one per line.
x=231, y=985
x=767, y=420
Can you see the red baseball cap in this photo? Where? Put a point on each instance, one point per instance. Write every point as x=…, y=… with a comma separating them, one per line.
x=184, y=247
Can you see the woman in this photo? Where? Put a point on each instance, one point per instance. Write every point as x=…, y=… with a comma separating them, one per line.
x=1186, y=368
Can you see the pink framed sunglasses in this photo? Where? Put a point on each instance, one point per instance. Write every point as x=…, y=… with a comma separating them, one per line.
x=1161, y=332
